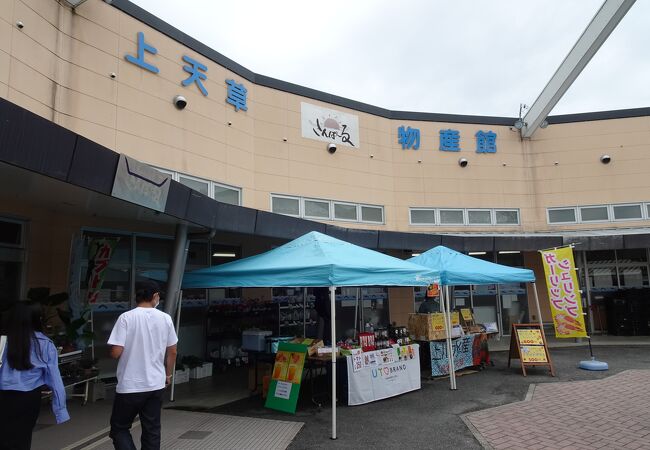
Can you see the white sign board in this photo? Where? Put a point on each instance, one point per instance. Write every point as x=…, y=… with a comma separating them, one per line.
x=329, y=125
x=383, y=380
x=283, y=390
x=141, y=184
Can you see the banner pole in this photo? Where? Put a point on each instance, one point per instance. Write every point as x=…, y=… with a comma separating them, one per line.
x=333, y=328
x=539, y=311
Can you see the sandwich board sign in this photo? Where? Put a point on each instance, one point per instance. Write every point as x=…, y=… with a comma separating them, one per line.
x=528, y=344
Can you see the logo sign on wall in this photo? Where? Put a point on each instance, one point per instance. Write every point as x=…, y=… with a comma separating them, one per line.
x=141, y=184
x=329, y=125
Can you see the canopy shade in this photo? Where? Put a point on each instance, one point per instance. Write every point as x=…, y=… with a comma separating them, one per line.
x=456, y=268
x=313, y=259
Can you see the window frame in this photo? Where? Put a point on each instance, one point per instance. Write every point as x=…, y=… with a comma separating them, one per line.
x=197, y=179
x=226, y=186
x=435, y=217
x=463, y=218
x=575, y=215
x=356, y=206
x=492, y=216
x=613, y=215
x=516, y=210
x=330, y=211
x=365, y=205
x=579, y=218
x=290, y=197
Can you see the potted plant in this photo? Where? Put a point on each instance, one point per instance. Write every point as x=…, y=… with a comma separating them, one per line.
x=198, y=367
x=182, y=374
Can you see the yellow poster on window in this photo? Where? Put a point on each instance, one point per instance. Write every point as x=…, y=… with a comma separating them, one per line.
x=564, y=293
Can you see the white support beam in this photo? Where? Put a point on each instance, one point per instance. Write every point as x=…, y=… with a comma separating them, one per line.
x=606, y=19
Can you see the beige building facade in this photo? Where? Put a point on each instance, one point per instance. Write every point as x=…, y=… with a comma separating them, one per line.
x=72, y=68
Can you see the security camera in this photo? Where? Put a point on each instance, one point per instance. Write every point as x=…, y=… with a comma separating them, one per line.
x=462, y=162
x=605, y=159
x=331, y=148
x=20, y=25
x=180, y=102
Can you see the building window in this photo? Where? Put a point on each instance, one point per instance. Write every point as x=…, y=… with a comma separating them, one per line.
x=647, y=207
x=451, y=217
x=220, y=192
x=318, y=209
x=345, y=211
x=423, y=216
x=627, y=212
x=373, y=214
x=507, y=216
x=285, y=205
x=198, y=185
x=479, y=217
x=594, y=214
x=226, y=194
x=561, y=215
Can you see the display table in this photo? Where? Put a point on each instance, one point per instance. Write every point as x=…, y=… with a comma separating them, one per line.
x=471, y=350
x=382, y=374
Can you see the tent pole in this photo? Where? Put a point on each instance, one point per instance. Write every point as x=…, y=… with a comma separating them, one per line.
x=333, y=336
x=443, y=297
x=539, y=311
x=452, y=362
x=356, y=315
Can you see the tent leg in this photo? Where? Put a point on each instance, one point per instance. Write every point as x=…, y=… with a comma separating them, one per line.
x=444, y=297
x=333, y=335
x=539, y=311
x=452, y=362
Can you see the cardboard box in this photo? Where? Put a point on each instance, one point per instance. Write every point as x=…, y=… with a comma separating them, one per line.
x=312, y=344
x=263, y=369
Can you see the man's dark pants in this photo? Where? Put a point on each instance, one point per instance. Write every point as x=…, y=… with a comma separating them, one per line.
x=125, y=407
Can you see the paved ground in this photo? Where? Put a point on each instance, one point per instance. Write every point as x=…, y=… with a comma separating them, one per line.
x=431, y=417
x=192, y=431
x=428, y=418
x=610, y=413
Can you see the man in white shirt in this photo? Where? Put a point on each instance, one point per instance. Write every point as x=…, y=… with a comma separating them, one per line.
x=144, y=342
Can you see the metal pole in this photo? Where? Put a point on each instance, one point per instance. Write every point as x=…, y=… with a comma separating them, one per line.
x=177, y=268
x=304, y=312
x=539, y=311
x=471, y=296
x=443, y=295
x=356, y=314
x=178, y=332
x=452, y=362
x=333, y=328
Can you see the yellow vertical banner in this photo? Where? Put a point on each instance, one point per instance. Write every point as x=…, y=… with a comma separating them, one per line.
x=564, y=293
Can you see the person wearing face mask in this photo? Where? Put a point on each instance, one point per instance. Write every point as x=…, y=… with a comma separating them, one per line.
x=143, y=341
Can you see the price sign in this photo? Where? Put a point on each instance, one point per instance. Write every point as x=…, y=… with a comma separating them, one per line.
x=533, y=353
x=528, y=344
x=530, y=337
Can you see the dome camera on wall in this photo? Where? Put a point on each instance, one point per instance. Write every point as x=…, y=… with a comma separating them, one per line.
x=462, y=162
x=180, y=102
x=605, y=159
x=331, y=148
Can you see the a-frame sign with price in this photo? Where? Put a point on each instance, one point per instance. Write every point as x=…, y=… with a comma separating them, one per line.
x=528, y=344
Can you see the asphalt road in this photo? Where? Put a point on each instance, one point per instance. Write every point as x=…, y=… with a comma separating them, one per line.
x=430, y=417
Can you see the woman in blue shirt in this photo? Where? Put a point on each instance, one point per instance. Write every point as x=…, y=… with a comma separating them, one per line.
x=29, y=363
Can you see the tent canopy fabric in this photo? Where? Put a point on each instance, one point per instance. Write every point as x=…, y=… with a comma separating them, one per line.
x=311, y=260
x=458, y=269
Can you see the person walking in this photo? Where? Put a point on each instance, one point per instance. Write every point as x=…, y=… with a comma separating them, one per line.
x=29, y=362
x=144, y=342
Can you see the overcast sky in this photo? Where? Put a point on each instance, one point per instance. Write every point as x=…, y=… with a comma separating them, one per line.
x=463, y=57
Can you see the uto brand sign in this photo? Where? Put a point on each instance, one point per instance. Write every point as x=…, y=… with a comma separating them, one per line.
x=329, y=125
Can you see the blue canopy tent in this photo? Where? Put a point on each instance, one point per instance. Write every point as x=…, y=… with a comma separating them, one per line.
x=456, y=269
x=312, y=260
